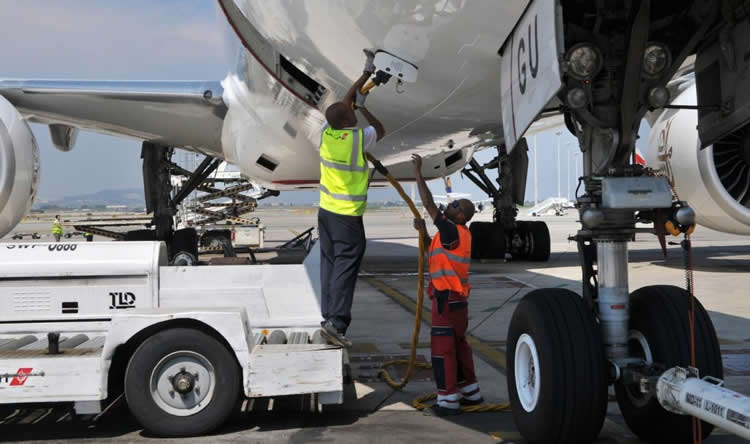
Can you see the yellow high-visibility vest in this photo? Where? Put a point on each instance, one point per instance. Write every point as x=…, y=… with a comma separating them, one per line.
x=343, y=172
x=57, y=228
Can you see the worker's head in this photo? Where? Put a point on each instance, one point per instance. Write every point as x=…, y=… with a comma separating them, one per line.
x=57, y=216
x=460, y=211
x=340, y=116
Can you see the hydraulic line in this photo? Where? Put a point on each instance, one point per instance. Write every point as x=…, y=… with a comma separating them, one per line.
x=411, y=363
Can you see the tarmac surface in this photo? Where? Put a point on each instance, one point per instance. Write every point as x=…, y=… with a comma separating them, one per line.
x=383, y=319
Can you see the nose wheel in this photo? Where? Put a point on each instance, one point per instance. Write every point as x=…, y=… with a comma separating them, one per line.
x=557, y=379
x=659, y=331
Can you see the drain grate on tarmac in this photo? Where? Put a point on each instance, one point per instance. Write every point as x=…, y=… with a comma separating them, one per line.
x=736, y=362
x=365, y=368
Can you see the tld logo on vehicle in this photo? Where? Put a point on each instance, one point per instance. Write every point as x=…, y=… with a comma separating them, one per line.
x=121, y=300
x=15, y=379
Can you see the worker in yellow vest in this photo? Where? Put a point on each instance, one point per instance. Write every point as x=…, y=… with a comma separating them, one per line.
x=57, y=229
x=449, y=259
x=344, y=177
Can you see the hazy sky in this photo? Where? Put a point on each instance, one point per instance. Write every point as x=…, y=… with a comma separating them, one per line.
x=152, y=40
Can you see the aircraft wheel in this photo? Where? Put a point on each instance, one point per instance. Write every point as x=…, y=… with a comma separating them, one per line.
x=659, y=333
x=479, y=232
x=496, y=242
x=182, y=382
x=557, y=377
x=541, y=241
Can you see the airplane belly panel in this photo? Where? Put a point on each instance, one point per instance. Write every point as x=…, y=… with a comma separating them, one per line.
x=454, y=43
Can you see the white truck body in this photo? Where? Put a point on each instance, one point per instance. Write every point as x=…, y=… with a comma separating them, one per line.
x=100, y=295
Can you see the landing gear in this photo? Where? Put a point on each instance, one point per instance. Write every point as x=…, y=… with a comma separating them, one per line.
x=557, y=379
x=618, y=60
x=505, y=236
x=658, y=329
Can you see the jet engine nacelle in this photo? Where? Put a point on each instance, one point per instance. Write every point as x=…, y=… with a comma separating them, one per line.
x=19, y=167
x=715, y=181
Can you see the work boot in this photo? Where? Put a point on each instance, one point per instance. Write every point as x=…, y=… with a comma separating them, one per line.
x=333, y=335
x=465, y=401
x=438, y=410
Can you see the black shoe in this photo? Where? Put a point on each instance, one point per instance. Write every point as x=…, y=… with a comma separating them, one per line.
x=443, y=411
x=465, y=401
x=333, y=335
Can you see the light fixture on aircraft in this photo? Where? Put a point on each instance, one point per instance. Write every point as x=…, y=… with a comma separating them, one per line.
x=577, y=98
x=658, y=97
x=656, y=59
x=584, y=61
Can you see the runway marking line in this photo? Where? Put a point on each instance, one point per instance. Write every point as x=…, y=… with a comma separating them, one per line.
x=494, y=357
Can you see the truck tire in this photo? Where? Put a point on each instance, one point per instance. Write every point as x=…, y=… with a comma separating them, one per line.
x=659, y=332
x=557, y=378
x=164, y=393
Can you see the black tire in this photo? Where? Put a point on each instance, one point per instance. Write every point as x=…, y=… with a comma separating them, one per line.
x=478, y=239
x=572, y=394
x=184, y=240
x=140, y=235
x=660, y=314
x=541, y=241
x=496, y=241
x=146, y=359
x=523, y=231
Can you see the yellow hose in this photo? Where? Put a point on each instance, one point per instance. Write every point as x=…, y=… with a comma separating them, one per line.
x=370, y=85
x=419, y=402
x=412, y=362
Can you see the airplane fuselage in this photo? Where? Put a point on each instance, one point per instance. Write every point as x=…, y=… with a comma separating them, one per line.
x=273, y=134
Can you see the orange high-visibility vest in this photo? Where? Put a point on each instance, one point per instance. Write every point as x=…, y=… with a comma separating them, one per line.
x=449, y=269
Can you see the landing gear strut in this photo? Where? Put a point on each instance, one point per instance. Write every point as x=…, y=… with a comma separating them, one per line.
x=182, y=245
x=618, y=60
x=505, y=236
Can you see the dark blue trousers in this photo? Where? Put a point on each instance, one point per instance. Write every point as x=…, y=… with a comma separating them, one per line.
x=342, y=247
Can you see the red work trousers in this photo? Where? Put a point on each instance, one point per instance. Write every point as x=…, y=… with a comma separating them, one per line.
x=452, y=360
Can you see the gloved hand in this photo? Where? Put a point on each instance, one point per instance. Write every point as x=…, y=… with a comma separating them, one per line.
x=369, y=62
x=359, y=99
x=419, y=224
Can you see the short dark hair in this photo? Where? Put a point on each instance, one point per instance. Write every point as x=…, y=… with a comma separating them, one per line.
x=337, y=114
x=467, y=208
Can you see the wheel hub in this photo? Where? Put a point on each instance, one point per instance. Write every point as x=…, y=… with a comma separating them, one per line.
x=527, y=372
x=183, y=383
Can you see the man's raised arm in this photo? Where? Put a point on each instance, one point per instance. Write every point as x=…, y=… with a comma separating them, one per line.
x=424, y=192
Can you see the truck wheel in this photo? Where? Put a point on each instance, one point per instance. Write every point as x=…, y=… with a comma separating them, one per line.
x=659, y=333
x=182, y=382
x=557, y=378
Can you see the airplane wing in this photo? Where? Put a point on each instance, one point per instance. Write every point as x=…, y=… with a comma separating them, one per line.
x=184, y=114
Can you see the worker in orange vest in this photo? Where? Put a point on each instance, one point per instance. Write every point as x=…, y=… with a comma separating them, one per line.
x=449, y=259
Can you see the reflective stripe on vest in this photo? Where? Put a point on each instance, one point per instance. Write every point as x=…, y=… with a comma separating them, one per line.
x=343, y=172
x=449, y=269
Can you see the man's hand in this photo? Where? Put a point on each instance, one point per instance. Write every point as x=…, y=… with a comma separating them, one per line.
x=419, y=224
x=359, y=100
x=369, y=68
x=416, y=159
